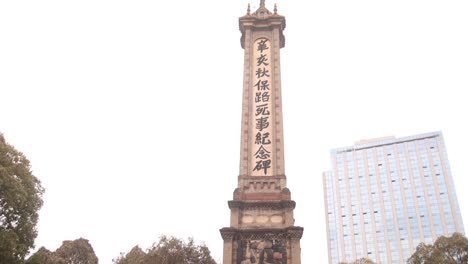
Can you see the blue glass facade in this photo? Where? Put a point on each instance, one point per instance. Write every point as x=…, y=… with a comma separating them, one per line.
x=384, y=197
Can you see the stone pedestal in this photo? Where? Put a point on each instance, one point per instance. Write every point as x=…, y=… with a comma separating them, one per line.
x=262, y=233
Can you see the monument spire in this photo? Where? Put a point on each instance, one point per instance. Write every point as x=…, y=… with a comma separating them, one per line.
x=262, y=210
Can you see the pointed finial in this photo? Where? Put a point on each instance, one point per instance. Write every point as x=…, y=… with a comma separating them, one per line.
x=275, y=10
x=248, y=9
x=262, y=3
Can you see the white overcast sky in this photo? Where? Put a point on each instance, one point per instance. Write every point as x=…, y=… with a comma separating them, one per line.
x=129, y=111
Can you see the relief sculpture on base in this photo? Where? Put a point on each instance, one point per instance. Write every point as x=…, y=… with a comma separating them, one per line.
x=262, y=252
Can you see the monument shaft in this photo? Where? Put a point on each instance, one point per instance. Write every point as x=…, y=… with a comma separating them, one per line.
x=262, y=223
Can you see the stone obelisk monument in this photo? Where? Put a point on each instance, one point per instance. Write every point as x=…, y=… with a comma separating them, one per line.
x=262, y=223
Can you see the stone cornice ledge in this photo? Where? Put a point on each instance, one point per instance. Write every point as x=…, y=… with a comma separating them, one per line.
x=292, y=232
x=262, y=204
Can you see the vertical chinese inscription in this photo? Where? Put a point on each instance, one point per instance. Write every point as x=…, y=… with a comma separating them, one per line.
x=261, y=138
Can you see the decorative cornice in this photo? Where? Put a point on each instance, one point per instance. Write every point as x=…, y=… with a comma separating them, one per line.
x=273, y=205
x=293, y=232
x=256, y=178
x=228, y=233
x=262, y=19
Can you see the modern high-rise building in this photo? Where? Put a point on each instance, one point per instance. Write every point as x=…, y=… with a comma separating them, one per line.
x=385, y=196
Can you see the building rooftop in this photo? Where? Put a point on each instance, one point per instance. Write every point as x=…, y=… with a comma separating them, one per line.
x=370, y=143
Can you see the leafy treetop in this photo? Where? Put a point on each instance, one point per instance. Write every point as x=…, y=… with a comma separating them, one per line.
x=20, y=200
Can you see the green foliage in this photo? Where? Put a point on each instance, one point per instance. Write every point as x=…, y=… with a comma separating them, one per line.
x=78, y=251
x=43, y=256
x=168, y=251
x=20, y=199
x=447, y=250
x=136, y=255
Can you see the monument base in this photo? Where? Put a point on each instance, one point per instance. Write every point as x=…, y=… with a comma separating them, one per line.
x=262, y=246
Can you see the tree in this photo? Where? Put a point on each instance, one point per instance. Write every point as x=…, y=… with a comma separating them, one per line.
x=168, y=251
x=20, y=199
x=43, y=256
x=78, y=251
x=359, y=261
x=136, y=255
x=447, y=250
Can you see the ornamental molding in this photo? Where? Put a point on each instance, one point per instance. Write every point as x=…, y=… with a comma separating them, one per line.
x=228, y=233
x=272, y=205
x=293, y=232
x=262, y=19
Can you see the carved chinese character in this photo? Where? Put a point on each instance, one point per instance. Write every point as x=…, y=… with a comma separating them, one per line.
x=261, y=72
x=262, y=85
x=262, y=138
x=262, y=97
x=262, y=60
x=262, y=123
x=262, y=153
x=262, y=110
x=262, y=45
x=263, y=165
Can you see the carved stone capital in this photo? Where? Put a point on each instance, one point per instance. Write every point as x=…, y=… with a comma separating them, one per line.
x=295, y=232
x=228, y=233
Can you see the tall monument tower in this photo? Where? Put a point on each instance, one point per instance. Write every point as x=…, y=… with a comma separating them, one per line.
x=262, y=223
